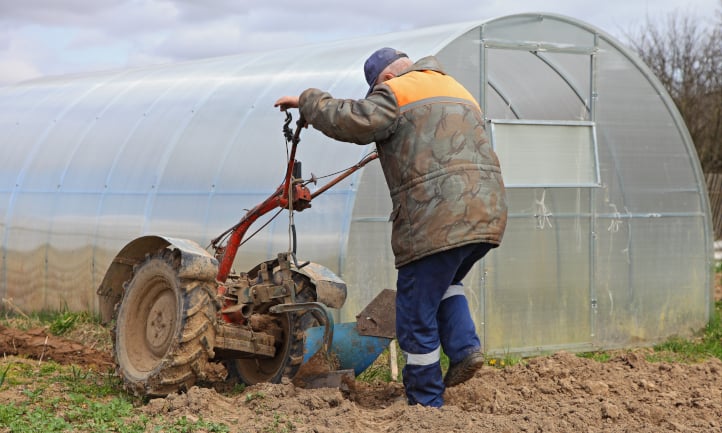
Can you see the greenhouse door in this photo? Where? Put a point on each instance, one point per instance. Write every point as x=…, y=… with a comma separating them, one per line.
x=543, y=301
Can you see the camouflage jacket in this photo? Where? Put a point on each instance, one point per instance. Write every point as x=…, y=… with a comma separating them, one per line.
x=444, y=179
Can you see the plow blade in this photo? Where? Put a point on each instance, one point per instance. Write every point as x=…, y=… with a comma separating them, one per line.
x=352, y=350
x=356, y=345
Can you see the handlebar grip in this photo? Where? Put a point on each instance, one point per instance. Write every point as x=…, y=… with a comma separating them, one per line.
x=300, y=124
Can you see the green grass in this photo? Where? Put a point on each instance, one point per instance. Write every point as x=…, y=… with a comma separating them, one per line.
x=508, y=360
x=381, y=371
x=597, y=356
x=183, y=425
x=50, y=397
x=280, y=424
x=705, y=345
x=718, y=267
x=53, y=398
x=41, y=410
x=57, y=322
x=59, y=398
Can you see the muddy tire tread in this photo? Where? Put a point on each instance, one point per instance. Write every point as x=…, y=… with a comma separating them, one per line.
x=185, y=360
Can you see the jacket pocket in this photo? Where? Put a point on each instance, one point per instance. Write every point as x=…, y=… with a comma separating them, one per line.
x=400, y=232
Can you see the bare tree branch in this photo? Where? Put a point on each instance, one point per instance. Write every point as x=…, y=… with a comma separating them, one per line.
x=686, y=56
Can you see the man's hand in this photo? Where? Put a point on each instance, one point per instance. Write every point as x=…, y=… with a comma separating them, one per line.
x=286, y=102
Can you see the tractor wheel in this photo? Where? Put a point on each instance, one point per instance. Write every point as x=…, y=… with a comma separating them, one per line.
x=289, y=329
x=164, y=331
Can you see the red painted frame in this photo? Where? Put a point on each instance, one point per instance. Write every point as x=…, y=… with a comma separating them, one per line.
x=300, y=199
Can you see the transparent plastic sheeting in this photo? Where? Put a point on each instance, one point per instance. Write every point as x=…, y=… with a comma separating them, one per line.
x=608, y=242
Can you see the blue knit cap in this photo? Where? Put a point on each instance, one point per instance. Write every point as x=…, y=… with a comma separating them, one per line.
x=378, y=61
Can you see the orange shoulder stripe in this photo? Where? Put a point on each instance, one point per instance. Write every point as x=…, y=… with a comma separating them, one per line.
x=419, y=85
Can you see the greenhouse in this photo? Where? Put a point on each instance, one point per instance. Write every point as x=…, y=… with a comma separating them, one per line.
x=609, y=240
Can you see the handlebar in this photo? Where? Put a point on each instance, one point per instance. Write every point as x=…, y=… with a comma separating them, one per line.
x=291, y=194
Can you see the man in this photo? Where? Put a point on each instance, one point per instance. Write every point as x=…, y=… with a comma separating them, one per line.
x=449, y=206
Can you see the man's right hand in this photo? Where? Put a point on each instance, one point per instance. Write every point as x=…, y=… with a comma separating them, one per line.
x=286, y=102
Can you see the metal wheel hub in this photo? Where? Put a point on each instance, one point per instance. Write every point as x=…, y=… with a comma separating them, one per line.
x=161, y=322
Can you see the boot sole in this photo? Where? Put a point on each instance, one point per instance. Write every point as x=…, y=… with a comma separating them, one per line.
x=462, y=373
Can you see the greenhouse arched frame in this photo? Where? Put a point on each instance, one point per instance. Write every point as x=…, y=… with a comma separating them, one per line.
x=609, y=239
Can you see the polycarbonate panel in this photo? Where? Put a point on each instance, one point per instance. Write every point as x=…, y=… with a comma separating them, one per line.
x=561, y=155
x=368, y=264
x=649, y=284
x=463, y=56
x=540, y=30
x=92, y=161
x=534, y=86
x=537, y=296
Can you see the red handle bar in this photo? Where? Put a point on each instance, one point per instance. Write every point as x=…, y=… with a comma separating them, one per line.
x=300, y=199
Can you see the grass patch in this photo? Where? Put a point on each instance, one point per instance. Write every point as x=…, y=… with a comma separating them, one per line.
x=707, y=344
x=596, y=356
x=58, y=323
x=55, y=398
x=508, y=360
x=380, y=370
x=50, y=397
x=184, y=425
x=83, y=327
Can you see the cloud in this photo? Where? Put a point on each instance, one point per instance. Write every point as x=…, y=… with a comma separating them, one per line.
x=54, y=12
x=14, y=70
x=19, y=57
x=68, y=36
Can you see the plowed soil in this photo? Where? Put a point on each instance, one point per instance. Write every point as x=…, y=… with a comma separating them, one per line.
x=558, y=393
x=561, y=393
x=38, y=344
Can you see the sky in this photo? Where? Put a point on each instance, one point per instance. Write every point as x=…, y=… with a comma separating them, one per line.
x=57, y=37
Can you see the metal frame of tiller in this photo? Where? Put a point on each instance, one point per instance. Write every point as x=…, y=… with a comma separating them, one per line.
x=294, y=195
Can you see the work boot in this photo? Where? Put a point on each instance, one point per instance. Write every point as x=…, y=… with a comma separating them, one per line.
x=464, y=369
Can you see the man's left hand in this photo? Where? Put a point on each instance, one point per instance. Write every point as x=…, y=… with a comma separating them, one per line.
x=286, y=102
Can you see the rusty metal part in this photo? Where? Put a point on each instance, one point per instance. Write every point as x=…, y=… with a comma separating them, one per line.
x=378, y=319
x=330, y=289
x=289, y=333
x=230, y=338
x=264, y=293
x=270, y=282
x=346, y=173
x=318, y=311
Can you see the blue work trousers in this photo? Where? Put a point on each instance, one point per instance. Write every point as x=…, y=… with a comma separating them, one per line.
x=432, y=313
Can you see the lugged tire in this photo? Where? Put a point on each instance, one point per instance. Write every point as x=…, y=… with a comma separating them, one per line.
x=164, y=329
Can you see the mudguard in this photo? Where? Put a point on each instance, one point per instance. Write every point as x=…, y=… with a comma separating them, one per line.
x=330, y=289
x=196, y=263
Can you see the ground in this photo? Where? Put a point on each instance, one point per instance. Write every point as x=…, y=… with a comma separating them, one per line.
x=558, y=393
